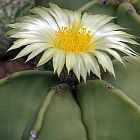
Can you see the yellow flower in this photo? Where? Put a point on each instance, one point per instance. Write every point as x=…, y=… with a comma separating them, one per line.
x=80, y=42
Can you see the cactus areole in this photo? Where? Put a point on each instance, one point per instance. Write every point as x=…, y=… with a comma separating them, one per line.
x=63, y=108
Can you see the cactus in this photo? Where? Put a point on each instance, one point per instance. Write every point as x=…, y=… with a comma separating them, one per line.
x=129, y=18
x=37, y=105
x=99, y=110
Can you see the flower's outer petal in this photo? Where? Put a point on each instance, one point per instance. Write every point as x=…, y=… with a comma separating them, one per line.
x=104, y=43
x=115, y=42
x=125, y=46
x=116, y=33
x=76, y=68
x=34, y=29
x=81, y=66
x=59, y=61
x=35, y=24
x=70, y=61
x=61, y=14
x=122, y=39
x=91, y=64
x=25, y=34
x=21, y=42
x=95, y=22
x=88, y=61
x=32, y=47
x=47, y=55
x=45, y=15
x=12, y=31
x=46, y=36
x=60, y=17
x=109, y=27
x=118, y=46
x=35, y=53
x=105, y=61
x=115, y=55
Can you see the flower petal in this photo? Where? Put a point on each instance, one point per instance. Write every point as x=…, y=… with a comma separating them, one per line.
x=91, y=64
x=105, y=61
x=21, y=42
x=70, y=61
x=35, y=53
x=95, y=22
x=32, y=47
x=115, y=55
x=45, y=15
x=47, y=55
x=59, y=61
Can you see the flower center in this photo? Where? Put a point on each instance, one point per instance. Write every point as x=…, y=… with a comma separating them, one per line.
x=74, y=39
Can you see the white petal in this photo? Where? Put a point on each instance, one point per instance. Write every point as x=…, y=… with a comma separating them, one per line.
x=47, y=55
x=70, y=61
x=59, y=61
x=119, y=46
x=45, y=15
x=44, y=36
x=116, y=33
x=109, y=27
x=58, y=15
x=91, y=64
x=79, y=67
x=61, y=14
x=21, y=42
x=26, y=34
x=105, y=61
x=95, y=22
x=82, y=69
x=115, y=55
x=76, y=67
x=32, y=47
x=122, y=39
x=35, y=53
x=34, y=24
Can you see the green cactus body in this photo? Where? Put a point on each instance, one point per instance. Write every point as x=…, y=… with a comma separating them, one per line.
x=128, y=17
x=99, y=7
x=98, y=112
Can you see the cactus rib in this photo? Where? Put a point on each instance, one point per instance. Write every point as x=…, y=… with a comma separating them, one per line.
x=41, y=113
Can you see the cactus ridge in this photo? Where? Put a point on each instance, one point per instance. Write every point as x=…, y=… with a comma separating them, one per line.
x=99, y=111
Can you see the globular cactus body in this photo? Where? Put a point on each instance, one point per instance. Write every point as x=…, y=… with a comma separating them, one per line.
x=99, y=110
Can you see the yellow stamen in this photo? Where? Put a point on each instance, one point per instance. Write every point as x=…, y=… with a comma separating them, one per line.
x=74, y=39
